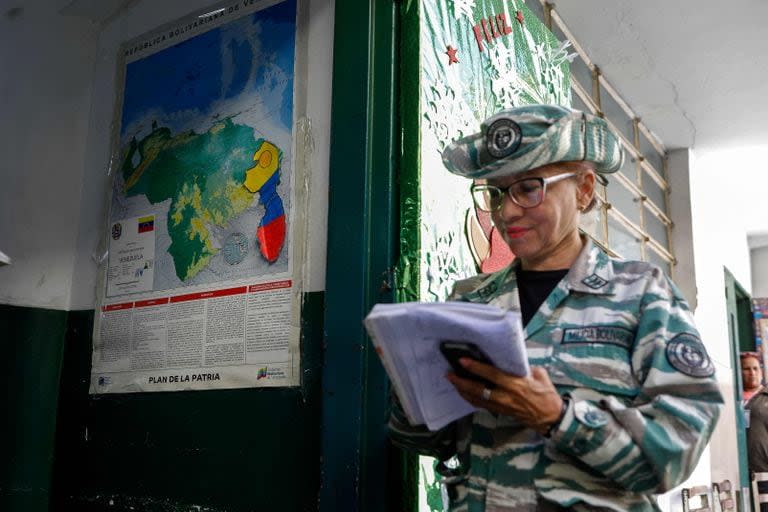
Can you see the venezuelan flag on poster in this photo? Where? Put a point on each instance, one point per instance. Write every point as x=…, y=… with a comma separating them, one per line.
x=146, y=224
x=271, y=230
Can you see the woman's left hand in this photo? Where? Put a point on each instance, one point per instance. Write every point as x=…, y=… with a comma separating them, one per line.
x=532, y=400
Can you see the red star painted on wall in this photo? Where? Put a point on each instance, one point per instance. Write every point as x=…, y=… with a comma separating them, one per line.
x=451, y=52
x=519, y=17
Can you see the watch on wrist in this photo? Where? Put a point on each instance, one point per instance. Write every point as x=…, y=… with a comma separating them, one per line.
x=559, y=419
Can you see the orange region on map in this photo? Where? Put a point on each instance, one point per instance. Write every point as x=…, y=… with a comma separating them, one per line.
x=266, y=158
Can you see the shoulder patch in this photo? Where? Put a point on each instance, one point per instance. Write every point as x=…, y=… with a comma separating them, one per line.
x=594, y=281
x=686, y=353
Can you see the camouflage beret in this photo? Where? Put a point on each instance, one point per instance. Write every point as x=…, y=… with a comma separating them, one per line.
x=524, y=138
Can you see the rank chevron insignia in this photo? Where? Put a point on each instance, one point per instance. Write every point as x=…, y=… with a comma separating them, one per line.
x=595, y=281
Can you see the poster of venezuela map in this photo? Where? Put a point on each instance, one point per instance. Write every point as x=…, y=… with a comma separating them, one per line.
x=198, y=290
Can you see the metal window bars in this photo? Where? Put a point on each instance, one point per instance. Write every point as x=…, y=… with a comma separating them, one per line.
x=647, y=182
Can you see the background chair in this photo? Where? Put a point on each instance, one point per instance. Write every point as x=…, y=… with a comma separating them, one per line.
x=696, y=499
x=759, y=491
x=722, y=496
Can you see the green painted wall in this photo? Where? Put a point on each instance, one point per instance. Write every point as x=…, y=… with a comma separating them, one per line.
x=31, y=342
x=232, y=450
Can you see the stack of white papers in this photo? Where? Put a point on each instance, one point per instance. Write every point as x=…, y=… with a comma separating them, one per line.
x=407, y=337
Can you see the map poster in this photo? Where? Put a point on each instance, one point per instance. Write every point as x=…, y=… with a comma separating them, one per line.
x=200, y=290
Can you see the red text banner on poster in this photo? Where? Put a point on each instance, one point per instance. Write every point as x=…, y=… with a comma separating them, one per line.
x=209, y=295
x=117, y=307
x=151, y=302
x=276, y=285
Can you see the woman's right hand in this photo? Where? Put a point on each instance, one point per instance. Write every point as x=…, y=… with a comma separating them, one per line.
x=532, y=400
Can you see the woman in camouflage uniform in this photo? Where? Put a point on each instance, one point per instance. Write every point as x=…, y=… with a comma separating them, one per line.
x=622, y=398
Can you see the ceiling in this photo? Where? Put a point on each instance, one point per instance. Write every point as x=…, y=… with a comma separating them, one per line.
x=695, y=71
x=757, y=240
x=98, y=11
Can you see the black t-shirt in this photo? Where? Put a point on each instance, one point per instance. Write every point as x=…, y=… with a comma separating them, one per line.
x=534, y=286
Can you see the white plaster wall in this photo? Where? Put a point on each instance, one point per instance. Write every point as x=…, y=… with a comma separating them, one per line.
x=716, y=200
x=46, y=67
x=319, y=70
x=759, y=265
x=727, y=189
x=57, y=99
x=143, y=17
x=684, y=274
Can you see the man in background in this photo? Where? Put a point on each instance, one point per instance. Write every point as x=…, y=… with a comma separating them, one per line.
x=751, y=374
x=755, y=400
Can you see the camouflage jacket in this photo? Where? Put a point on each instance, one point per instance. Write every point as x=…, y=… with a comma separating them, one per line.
x=757, y=430
x=618, y=340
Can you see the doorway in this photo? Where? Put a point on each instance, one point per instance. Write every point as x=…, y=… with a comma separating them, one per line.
x=741, y=337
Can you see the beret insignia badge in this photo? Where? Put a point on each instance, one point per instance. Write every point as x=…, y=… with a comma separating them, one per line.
x=503, y=138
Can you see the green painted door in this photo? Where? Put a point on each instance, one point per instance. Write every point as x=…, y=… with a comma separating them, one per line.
x=737, y=335
x=359, y=470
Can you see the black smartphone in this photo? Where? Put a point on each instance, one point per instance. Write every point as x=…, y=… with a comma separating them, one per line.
x=453, y=350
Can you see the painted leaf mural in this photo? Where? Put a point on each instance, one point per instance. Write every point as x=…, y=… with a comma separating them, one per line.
x=475, y=57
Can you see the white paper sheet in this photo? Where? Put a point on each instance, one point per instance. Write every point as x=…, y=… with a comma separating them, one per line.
x=408, y=335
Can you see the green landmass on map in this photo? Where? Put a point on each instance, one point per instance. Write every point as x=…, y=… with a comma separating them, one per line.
x=203, y=176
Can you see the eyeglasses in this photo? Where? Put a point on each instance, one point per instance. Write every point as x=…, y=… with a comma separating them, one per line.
x=526, y=193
